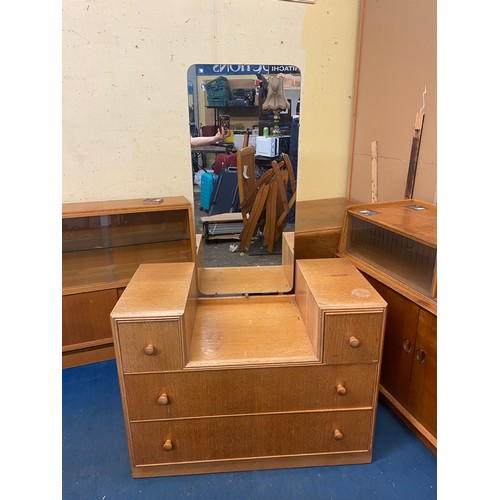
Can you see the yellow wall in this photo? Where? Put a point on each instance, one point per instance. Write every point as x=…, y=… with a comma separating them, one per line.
x=125, y=104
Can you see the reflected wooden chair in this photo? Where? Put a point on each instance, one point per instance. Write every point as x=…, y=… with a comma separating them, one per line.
x=253, y=209
x=263, y=201
x=245, y=164
x=278, y=206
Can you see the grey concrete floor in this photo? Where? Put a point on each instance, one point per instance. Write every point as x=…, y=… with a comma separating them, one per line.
x=218, y=253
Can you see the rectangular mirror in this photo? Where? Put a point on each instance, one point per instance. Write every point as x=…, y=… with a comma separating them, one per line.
x=244, y=127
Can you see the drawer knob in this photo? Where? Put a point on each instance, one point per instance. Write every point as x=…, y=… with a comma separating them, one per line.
x=407, y=346
x=341, y=390
x=338, y=435
x=167, y=445
x=421, y=356
x=163, y=399
x=353, y=342
x=149, y=350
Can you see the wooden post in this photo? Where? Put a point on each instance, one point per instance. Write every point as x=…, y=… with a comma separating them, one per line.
x=415, y=148
x=374, y=172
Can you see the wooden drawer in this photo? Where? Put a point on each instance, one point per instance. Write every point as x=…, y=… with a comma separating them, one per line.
x=353, y=338
x=150, y=346
x=256, y=390
x=250, y=436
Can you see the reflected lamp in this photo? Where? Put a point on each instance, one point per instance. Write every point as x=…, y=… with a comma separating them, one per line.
x=275, y=101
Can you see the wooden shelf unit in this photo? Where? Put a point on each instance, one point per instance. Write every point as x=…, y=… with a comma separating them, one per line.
x=394, y=245
x=103, y=243
x=212, y=384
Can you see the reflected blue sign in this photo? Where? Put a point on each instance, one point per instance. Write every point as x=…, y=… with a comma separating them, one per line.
x=244, y=69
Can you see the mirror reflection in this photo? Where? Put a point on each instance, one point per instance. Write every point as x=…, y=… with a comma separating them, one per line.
x=244, y=127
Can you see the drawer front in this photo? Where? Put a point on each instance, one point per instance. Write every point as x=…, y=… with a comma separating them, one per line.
x=174, y=441
x=150, y=346
x=256, y=390
x=353, y=338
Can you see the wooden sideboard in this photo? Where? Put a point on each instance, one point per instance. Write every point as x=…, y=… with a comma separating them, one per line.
x=103, y=243
x=394, y=244
x=212, y=384
x=318, y=227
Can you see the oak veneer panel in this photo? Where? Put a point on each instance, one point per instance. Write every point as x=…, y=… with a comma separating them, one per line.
x=318, y=227
x=367, y=328
x=317, y=245
x=92, y=208
x=250, y=436
x=78, y=357
x=246, y=383
x=288, y=257
x=157, y=290
x=337, y=284
x=410, y=388
x=249, y=331
x=256, y=390
x=401, y=328
x=240, y=280
x=422, y=398
x=85, y=317
x=164, y=336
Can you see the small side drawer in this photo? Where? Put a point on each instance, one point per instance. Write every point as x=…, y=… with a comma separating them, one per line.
x=221, y=438
x=353, y=338
x=150, y=346
x=255, y=390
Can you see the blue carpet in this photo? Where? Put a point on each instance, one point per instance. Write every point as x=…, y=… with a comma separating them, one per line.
x=95, y=461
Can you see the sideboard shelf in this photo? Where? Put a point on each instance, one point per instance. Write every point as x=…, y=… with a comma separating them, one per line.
x=103, y=243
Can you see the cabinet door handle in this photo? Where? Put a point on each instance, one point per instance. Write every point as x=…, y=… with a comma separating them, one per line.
x=163, y=399
x=338, y=435
x=167, y=445
x=341, y=390
x=353, y=342
x=149, y=350
x=421, y=356
x=407, y=346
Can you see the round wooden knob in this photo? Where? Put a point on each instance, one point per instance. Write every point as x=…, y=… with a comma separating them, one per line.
x=421, y=356
x=341, y=390
x=407, y=346
x=163, y=399
x=337, y=435
x=167, y=445
x=149, y=350
x=353, y=341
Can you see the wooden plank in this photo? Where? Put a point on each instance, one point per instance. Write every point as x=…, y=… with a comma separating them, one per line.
x=415, y=148
x=374, y=172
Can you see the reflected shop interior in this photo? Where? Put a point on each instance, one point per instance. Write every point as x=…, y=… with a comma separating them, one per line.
x=259, y=105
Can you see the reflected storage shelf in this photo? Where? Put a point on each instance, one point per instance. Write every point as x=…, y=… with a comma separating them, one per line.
x=103, y=243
